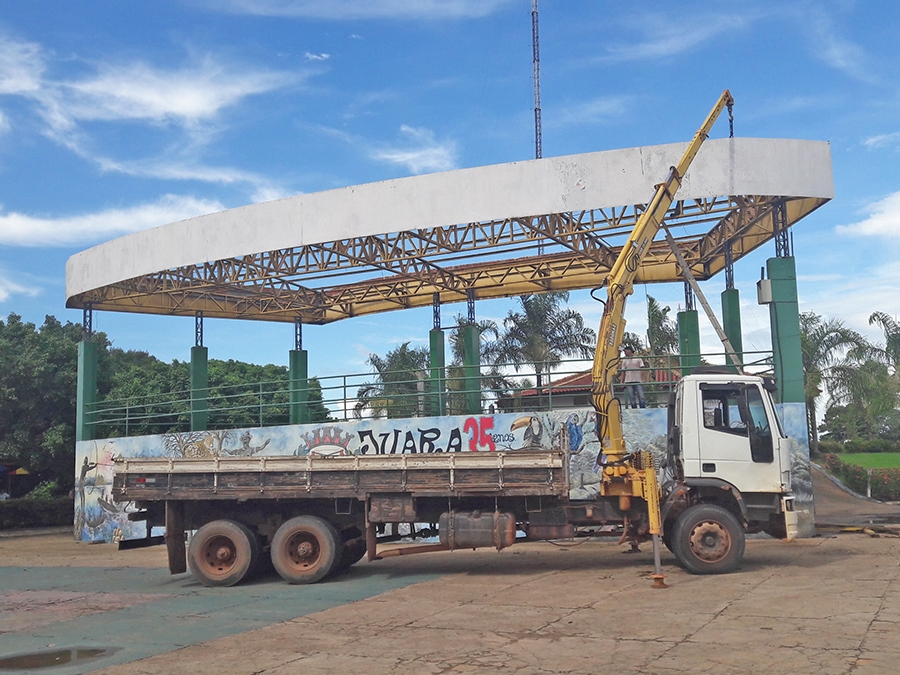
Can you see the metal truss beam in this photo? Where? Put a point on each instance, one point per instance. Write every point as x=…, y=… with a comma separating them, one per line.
x=329, y=281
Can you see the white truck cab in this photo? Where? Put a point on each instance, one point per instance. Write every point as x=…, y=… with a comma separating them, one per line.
x=727, y=452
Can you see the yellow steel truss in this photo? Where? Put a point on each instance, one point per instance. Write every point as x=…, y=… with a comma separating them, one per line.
x=325, y=282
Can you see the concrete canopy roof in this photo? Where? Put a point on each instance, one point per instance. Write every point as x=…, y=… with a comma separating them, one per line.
x=493, y=231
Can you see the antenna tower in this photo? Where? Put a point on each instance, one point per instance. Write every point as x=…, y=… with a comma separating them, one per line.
x=538, y=152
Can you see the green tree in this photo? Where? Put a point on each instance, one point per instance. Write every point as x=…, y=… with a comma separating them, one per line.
x=824, y=344
x=396, y=389
x=542, y=333
x=38, y=375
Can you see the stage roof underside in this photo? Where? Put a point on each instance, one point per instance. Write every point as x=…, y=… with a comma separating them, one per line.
x=495, y=231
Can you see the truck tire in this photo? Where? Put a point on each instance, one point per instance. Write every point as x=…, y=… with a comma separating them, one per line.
x=708, y=539
x=305, y=549
x=222, y=552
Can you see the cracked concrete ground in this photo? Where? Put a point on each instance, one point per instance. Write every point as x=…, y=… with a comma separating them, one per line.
x=828, y=605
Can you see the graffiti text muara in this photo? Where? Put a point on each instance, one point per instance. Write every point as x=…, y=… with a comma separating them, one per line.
x=396, y=441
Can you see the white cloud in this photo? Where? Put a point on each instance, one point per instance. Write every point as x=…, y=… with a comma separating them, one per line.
x=665, y=38
x=191, y=97
x=590, y=112
x=317, y=57
x=21, y=66
x=138, y=91
x=4, y=123
x=883, y=140
x=883, y=219
x=365, y=9
x=835, y=50
x=421, y=153
x=9, y=288
x=18, y=229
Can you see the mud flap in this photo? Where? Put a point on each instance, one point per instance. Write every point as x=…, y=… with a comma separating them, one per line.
x=791, y=518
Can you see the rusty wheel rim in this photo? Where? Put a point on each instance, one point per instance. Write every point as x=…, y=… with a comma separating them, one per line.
x=710, y=541
x=219, y=556
x=303, y=550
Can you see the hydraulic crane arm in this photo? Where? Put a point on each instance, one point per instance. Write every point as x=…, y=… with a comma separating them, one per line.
x=620, y=284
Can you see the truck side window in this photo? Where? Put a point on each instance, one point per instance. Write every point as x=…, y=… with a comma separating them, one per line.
x=761, y=448
x=721, y=411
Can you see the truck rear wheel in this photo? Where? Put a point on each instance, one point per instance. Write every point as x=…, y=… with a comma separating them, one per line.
x=222, y=552
x=305, y=549
x=708, y=539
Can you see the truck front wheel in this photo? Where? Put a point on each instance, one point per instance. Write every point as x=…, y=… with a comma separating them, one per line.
x=222, y=552
x=708, y=539
x=305, y=549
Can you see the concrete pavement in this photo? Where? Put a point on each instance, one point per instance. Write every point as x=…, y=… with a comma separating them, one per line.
x=823, y=606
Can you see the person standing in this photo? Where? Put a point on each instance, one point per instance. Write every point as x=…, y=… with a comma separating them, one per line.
x=633, y=377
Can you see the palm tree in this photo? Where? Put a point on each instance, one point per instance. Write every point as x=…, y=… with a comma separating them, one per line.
x=395, y=391
x=867, y=388
x=543, y=333
x=662, y=332
x=824, y=344
x=889, y=354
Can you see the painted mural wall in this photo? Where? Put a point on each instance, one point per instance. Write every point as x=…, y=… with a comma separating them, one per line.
x=99, y=518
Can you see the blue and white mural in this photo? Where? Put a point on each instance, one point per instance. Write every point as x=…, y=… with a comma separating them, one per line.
x=98, y=517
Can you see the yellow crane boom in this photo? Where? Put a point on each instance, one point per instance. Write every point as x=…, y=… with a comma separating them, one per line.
x=620, y=284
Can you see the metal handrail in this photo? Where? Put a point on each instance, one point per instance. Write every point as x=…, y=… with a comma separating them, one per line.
x=267, y=403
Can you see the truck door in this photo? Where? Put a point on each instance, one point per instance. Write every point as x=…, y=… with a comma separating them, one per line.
x=736, y=439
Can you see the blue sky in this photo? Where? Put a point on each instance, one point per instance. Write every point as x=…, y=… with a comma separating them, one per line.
x=115, y=117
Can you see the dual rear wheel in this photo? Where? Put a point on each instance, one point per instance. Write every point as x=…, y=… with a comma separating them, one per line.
x=304, y=550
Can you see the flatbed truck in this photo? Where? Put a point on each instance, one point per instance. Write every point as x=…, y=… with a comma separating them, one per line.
x=726, y=473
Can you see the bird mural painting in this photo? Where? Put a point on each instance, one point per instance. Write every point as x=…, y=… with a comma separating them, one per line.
x=575, y=433
x=534, y=432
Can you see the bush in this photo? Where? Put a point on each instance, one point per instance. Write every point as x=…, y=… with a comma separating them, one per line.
x=44, y=491
x=885, y=482
x=830, y=447
x=24, y=513
x=874, y=445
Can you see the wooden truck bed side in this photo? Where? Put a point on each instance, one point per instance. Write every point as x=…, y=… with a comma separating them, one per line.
x=354, y=476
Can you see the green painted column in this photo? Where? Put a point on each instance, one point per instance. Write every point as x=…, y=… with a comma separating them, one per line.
x=436, y=376
x=86, y=394
x=689, y=340
x=472, y=368
x=784, y=315
x=298, y=377
x=199, y=388
x=731, y=323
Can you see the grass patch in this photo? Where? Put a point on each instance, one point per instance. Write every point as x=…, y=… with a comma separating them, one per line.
x=872, y=460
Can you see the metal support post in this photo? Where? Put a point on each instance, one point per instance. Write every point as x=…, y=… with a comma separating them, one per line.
x=299, y=386
x=689, y=340
x=780, y=230
x=470, y=304
x=784, y=315
x=688, y=295
x=198, y=329
x=199, y=386
x=436, y=375
x=86, y=392
x=472, y=368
